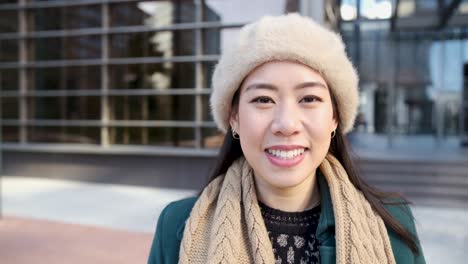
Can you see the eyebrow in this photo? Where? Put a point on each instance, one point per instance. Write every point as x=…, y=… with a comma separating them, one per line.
x=272, y=87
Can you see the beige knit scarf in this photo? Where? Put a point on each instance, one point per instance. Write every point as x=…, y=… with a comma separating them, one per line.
x=226, y=226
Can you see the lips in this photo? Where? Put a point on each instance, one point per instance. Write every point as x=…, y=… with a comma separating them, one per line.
x=286, y=156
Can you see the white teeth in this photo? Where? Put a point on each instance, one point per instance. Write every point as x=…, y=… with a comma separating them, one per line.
x=286, y=154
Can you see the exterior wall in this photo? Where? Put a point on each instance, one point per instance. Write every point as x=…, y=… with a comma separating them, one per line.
x=183, y=172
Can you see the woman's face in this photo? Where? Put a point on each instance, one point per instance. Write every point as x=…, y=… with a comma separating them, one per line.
x=284, y=120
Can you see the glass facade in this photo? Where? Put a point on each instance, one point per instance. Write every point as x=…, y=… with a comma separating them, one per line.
x=464, y=113
x=410, y=65
x=109, y=73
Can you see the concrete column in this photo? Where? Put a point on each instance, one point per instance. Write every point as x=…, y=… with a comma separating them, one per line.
x=367, y=105
x=105, y=77
x=22, y=74
x=198, y=74
x=392, y=90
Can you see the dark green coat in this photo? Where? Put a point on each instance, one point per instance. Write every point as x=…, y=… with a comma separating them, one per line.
x=171, y=223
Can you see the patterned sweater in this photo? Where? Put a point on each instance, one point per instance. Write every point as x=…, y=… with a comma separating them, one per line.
x=292, y=235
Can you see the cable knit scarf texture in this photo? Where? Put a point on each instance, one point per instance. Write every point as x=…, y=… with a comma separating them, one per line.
x=226, y=225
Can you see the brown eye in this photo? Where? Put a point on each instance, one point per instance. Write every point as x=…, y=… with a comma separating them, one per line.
x=311, y=99
x=262, y=100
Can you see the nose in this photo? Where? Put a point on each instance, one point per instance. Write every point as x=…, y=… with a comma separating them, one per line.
x=286, y=121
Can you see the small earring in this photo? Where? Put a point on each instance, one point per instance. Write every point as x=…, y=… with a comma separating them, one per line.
x=333, y=134
x=234, y=134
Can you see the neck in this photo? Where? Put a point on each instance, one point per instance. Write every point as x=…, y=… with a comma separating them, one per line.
x=297, y=198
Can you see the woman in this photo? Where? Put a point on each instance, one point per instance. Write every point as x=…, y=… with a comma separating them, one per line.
x=285, y=189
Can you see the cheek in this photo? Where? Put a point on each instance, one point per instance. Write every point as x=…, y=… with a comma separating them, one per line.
x=320, y=123
x=252, y=122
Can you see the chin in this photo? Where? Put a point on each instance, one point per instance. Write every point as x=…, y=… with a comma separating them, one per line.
x=284, y=180
x=286, y=184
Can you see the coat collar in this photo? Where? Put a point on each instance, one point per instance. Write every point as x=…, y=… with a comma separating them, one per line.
x=326, y=225
x=180, y=231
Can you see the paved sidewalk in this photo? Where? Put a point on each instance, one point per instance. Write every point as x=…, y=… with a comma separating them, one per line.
x=93, y=210
x=443, y=233
x=56, y=221
x=114, y=206
x=40, y=241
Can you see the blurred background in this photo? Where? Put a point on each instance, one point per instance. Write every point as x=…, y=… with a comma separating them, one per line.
x=104, y=108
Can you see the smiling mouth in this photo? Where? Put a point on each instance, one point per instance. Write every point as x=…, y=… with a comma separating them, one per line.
x=286, y=154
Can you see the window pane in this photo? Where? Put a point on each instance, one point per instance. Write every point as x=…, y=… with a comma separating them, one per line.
x=8, y=21
x=465, y=73
x=87, y=16
x=65, y=78
x=424, y=5
x=47, y=78
x=407, y=8
x=45, y=49
x=66, y=108
x=159, y=44
x=462, y=8
x=45, y=19
x=155, y=136
x=9, y=79
x=84, y=135
x=10, y=134
x=216, y=40
x=207, y=71
x=83, y=78
x=367, y=62
x=9, y=107
x=8, y=50
x=465, y=78
x=152, y=13
x=466, y=121
x=206, y=112
x=127, y=14
x=56, y=18
x=212, y=137
x=151, y=44
x=147, y=76
x=183, y=43
x=229, y=11
x=213, y=39
x=88, y=47
x=70, y=48
x=159, y=107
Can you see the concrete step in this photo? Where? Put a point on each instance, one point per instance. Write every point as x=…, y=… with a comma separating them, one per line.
x=446, y=180
x=426, y=168
x=424, y=182
x=429, y=190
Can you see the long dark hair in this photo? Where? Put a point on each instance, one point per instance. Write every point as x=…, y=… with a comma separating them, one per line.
x=340, y=148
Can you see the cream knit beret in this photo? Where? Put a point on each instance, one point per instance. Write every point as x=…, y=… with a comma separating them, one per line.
x=288, y=37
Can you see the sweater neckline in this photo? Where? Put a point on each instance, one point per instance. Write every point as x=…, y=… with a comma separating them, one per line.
x=290, y=222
